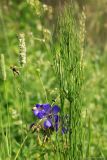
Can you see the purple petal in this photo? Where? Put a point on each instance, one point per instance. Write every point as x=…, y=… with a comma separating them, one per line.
x=56, y=118
x=47, y=123
x=35, y=111
x=64, y=130
x=56, y=127
x=47, y=108
x=41, y=114
x=56, y=122
x=38, y=105
x=55, y=109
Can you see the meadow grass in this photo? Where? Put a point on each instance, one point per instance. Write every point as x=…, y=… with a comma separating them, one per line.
x=56, y=72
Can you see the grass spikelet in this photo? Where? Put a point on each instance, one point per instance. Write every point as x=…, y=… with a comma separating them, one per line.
x=3, y=69
x=22, y=49
x=82, y=30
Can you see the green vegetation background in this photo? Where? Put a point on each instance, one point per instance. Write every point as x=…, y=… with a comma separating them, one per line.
x=37, y=24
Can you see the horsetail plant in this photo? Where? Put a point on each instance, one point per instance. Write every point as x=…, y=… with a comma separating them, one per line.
x=69, y=71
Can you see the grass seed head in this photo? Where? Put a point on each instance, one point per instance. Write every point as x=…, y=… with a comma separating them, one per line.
x=3, y=69
x=22, y=49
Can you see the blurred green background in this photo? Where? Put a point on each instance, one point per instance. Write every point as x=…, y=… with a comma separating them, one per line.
x=38, y=20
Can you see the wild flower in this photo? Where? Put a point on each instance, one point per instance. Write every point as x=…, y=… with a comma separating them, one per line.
x=50, y=117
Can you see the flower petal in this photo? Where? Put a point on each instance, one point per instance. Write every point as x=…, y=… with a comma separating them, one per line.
x=56, y=127
x=64, y=130
x=47, y=123
x=47, y=108
x=55, y=109
x=35, y=111
x=56, y=118
x=38, y=105
x=41, y=114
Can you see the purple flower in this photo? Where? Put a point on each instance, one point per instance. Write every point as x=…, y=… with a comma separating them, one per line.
x=48, y=123
x=55, y=109
x=50, y=117
x=50, y=114
x=41, y=110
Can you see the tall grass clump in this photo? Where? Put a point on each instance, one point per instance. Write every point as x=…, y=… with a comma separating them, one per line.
x=68, y=55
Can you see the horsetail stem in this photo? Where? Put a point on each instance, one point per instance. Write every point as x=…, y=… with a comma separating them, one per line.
x=69, y=73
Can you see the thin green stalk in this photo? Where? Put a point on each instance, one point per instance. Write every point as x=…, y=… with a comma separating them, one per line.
x=8, y=131
x=2, y=130
x=22, y=101
x=38, y=73
x=21, y=146
x=4, y=31
x=88, y=139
